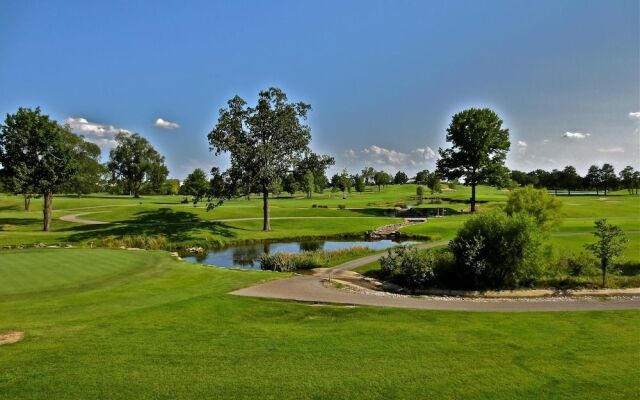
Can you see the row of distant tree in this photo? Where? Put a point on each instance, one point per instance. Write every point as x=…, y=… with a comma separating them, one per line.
x=598, y=178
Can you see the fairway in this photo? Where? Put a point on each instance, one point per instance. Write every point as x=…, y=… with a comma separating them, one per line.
x=160, y=328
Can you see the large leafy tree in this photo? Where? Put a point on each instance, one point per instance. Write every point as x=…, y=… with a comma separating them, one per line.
x=400, y=178
x=593, y=178
x=310, y=170
x=195, y=184
x=135, y=162
x=630, y=179
x=264, y=143
x=37, y=155
x=88, y=176
x=570, y=179
x=479, y=149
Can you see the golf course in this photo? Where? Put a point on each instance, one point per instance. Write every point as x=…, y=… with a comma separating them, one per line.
x=115, y=323
x=322, y=200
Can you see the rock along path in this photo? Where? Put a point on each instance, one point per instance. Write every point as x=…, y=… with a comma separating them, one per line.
x=315, y=289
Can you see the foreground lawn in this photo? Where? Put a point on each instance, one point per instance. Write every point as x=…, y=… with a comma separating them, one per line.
x=115, y=324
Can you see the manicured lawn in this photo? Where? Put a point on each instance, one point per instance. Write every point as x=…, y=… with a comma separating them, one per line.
x=184, y=224
x=150, y=327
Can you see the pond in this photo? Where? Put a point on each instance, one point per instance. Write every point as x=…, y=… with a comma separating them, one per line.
x=246, y=256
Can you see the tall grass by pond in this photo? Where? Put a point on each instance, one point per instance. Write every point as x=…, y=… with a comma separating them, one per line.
x=287, y=262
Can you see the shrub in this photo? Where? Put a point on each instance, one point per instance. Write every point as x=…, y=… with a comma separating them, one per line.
x=581, y=263
x=342, y=206
x=544, y=208
x=493, y=250
x=408, y=266
x=420, y=192
x=136, y=241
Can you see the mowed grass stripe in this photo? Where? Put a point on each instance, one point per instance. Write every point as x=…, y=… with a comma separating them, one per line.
x=174, y=332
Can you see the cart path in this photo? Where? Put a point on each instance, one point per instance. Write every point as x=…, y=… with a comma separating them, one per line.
x=315, y=289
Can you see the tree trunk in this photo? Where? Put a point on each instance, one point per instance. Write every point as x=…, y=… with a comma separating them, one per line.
x=27, y=202
x=266, y=225
x=473, y=197
x=46, y=211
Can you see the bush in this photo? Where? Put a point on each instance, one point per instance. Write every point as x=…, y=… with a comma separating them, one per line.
x=581, y=263
x=544, y=208
x=342, y=206
x=408, y=266
x=136, y=241
x=495, y=251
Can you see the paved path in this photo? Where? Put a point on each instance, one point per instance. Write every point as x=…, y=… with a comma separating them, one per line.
x=315, y=289
x=76, y=218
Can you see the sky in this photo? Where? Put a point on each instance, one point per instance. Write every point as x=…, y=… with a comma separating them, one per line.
x=383, y=77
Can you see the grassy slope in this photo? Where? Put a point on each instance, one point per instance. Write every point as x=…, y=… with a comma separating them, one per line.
x=158, y=328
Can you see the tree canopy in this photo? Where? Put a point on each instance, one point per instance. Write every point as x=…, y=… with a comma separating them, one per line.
x=37, y=155
x=264, y=143
x=479, y=146
x=135, y=162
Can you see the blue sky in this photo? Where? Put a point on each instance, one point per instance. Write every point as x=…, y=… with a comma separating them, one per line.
x=383, y=77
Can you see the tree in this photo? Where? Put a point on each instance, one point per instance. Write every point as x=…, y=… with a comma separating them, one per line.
x=537, y=203
x=433, y=183
x=89, y=171
x=290, y=184
x=381, y=178
x=343, y=181
x=420, y=192
x=38, y=155
x=629, y=179
x=195, y=185
x=400, y=178
x=421, y=177
x=610, y=244
x=593, y=179
x=368, y=173
x=609, y=178
x=157, y=177
x=570, y=179
x=307, y=183
x=310, y=170
x=171, y=187
x=358, y=183
x=479, y=149
x=135, y=162
x=264, y=143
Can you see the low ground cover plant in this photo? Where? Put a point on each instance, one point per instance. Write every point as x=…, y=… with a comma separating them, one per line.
x=287, y=262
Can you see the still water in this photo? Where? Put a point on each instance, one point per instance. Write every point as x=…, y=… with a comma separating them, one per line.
x=246, y=256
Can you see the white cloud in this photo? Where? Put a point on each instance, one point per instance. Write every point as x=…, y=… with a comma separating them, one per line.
x=427, y=153
x=380, y=155
x=575, y=135
x=635, y=115
x=164, y=124
x=545, y=141
x=612, y=150
x=522, y=146
x=100, y=134
x=350, y=154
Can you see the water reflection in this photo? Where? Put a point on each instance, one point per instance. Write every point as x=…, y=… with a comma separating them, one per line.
x=246, y=256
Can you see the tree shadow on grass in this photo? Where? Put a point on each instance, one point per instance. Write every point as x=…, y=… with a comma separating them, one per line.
x=6, y=222
x=176, y=226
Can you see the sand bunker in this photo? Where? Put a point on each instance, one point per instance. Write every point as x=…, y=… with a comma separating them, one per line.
x=11, y=337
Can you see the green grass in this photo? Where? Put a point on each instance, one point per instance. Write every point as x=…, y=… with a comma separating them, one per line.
x=183, y=224
x=143, y=325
